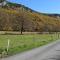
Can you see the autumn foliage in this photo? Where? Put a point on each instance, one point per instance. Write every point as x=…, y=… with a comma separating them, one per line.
x=15, y=19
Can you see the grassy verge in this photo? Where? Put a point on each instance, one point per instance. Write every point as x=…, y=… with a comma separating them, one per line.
x=20, y=43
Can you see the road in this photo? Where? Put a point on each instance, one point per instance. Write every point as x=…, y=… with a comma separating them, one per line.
x=48, y=52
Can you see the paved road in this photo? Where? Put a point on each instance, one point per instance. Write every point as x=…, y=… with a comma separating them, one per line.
x=47, y=52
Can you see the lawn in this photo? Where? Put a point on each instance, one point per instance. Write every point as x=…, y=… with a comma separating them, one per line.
x=20, y=43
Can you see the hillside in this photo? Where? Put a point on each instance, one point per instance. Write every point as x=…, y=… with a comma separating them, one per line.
x=14, y=17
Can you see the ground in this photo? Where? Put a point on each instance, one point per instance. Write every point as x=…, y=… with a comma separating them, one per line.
x=20, y=43
x=47, y=52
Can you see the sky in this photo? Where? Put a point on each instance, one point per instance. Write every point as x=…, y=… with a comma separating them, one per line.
x=44, y=6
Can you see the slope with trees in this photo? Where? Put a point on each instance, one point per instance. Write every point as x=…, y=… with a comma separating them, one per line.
x=13, y=18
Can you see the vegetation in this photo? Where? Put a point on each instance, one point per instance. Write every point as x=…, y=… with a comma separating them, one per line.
x=16, y=17
x=20, y=43
x=12, y=20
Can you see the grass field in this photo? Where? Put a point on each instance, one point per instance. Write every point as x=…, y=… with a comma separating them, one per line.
x=20, y=43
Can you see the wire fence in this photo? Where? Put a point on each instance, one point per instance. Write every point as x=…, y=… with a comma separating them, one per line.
x=13, y=44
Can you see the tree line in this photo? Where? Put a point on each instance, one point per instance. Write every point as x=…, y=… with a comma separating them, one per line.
x=18, y=20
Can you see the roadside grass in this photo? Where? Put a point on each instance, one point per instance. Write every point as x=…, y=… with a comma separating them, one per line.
x=20, y=43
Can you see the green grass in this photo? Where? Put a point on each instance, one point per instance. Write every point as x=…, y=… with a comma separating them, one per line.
x=20, y=43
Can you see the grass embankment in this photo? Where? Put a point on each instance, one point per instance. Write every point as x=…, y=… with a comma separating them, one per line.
x=20, y=43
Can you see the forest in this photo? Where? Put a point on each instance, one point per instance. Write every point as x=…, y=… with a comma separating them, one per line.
x=17, y=17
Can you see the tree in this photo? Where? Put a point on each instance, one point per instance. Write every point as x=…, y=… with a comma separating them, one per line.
x=21, y=19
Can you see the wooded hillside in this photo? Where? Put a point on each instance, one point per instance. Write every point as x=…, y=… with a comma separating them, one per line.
x=16, y=17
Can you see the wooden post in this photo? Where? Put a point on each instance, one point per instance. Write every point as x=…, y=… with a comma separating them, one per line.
x=8, y=43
